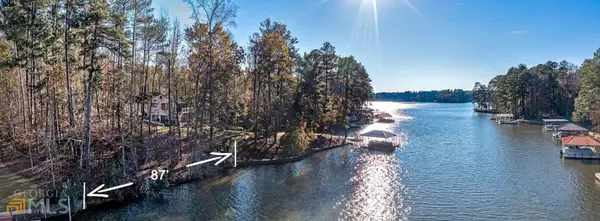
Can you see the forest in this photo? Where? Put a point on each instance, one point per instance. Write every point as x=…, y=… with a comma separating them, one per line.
x=441, y=96
x=552, y=89
x=82, y=80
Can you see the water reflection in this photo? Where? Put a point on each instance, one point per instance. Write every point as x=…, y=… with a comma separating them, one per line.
x=244, y=192
x=398, y=112
x=378, y=190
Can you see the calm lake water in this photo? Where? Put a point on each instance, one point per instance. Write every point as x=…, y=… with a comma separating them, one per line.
x=453, y=165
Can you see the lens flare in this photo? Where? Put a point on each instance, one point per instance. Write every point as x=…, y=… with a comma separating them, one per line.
x=366, y=22
x=412, y=7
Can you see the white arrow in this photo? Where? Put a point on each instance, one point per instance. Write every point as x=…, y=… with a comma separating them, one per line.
x=223, y=157
x=94, y=194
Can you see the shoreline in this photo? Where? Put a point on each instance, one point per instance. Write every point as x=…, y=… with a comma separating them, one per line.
x=434, y=102
x=527, y=121
x=485, y=111
x=224, y=172
x=289, y=159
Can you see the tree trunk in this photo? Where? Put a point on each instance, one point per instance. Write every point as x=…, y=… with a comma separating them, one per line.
x=88, y=107
x=346, y=105
x=256, y=90
x=210, y=96
x=33, y=68
x=269, y=122
x=196, y=106
x=22, y=91
x=55, y=124
x=121, y=136
x=169, y=94
x=86, y=91
x=151, y=90
x=66, y=43
x=98, y=106
x=132, y=80
x=143, y=94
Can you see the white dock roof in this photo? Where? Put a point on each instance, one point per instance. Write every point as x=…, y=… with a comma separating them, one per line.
x=555, y=120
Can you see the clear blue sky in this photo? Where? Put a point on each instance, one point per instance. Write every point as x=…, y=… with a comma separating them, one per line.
x=429, y=44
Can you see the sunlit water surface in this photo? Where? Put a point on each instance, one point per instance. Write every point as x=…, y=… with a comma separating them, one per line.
x=453, y=165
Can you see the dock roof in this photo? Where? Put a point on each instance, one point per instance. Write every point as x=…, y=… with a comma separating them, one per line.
x=555, y=120
x=580, y=141
x=505, y=115
x=383, y=115
x=379, y=134
x=571, y=127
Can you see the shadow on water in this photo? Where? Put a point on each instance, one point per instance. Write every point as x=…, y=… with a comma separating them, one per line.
x=571, y=162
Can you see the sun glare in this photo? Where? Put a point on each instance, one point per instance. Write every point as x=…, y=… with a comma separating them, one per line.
x=375, y=18
x=366, y=23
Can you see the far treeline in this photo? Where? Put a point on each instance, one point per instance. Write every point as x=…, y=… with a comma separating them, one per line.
x=546, y=90
x=80, y=79
x=441, y=96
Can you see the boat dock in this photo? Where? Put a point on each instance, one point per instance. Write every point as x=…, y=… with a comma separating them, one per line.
x=384, y=117
x=552, y=124
x=580, y=147
x=505, y=119
x=569, y=129
x=380, y=140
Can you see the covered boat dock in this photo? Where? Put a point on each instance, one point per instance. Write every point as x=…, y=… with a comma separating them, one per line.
x=569, y=129
x=505, y=119
x=580, y=147
x=384, y=118
x=552, y=124
x=380, y=140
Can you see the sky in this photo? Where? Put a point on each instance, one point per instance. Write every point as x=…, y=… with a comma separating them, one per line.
x=428, y=44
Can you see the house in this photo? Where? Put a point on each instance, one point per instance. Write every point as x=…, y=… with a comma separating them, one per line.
x=159, y=110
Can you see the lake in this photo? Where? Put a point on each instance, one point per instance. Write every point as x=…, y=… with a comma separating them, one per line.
x=453, y=165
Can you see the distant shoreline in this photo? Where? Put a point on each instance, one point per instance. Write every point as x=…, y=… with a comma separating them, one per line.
x=434, y=96
x=440, y=102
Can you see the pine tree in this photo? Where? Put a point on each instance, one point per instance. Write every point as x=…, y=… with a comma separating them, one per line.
x=587, y=105
x=101, y=32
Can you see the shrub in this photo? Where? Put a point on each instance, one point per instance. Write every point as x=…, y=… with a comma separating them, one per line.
x=296, y=139
x=72, y=190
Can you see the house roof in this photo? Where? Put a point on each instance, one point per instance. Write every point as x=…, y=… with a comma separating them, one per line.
x=571, y=127
x=379, y=134
x=580, y=141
